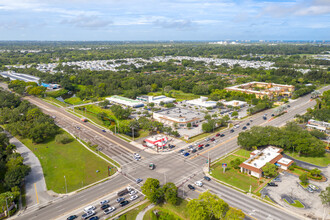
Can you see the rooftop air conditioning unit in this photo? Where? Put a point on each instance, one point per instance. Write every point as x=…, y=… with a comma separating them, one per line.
x=255, y=164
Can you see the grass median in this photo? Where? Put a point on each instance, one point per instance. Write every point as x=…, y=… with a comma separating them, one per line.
x=318, y=161
x=71, y=160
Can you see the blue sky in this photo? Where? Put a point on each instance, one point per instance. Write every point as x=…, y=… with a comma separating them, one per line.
x=164, y=20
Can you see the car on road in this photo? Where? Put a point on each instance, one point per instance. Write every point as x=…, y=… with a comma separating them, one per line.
x=222, y=135
x=201, y=145
x=236, y=126
x=183, y=152
x=71, y=217
x=200, y=148
x=194, y=150
x=104, y=202
x=89, y=208
x=171, y=146
x=105, y=206
x=272, y=184
x=152, y=166
x=123, y=203
x=180, y=151
x=232, y=130
x=94, y=218
x=207, y=178
x=251, y=120
x=288, y=106
x=217, y=135
x=264, y=117
x=273, y=115
x=199, y=183
x=137, y=156
x=120, y=199
x=244, y=128
x=78, y=128
x=104, y=130
x=190, y=147
x=139, y=180
x=248, y=124
x=212, y=139
x=206, y=145
x=88, y=214
x=133, y=192
x=191, y=187
x=109, y=210
x=133, y=197
x=186, y=154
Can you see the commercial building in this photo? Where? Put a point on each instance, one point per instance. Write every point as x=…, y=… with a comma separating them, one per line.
x=318, y=125
x=156, y=141
x=20, y=76
x=234, y=103
x=155, y=99
x=258, y=159
x=179, y=116
x=263, y=89
x=202, y=102
x=125, y=101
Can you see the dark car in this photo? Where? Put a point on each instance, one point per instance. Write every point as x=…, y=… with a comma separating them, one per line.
x=213, y=139
x=206, y=145
x=207, y=178
x=94, y=218
x=186, y=154
x=217, y=135
x=248, y=124
x=71, y=217
x=289, y=106
x=232, y=130
x=103, y=130
x=200, y=148
x=222, y=135
x=138, y=180
x=180, y=151
x=171, y=146
x=277, y=179
x=120, y=199
x=105, y=206
x=244, y=128
x=273, y=115
x=264, y=117
x=123, y=203
x=194, y=150
x=191, y=187
x=272, y=184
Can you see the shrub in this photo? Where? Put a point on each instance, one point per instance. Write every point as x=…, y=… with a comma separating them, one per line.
x=304, y=178
x=63, y=139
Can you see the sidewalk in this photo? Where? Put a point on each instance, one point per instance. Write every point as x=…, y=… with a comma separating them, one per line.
x=143, y=212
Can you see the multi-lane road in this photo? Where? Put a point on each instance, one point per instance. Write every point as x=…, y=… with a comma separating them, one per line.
x=169, y=167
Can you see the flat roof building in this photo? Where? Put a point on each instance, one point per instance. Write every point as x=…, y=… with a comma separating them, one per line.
x=263, y=89
x=125, y=101
x=318, y=125
x=179, y=116
x=155, y=99
x=20, y=76
x=259, y=158
x=202, y=102
x=234, y=103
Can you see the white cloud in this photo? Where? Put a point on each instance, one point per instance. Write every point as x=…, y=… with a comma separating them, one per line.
x=91, y=22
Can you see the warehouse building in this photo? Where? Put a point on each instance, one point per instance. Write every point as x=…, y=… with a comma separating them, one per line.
x=179, y=116
x=202, y=102
x=155, y=99
x=318, y=125
x=125, y=101
x=20, y=76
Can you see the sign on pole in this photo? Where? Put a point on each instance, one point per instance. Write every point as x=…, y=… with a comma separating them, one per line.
x=224, y=166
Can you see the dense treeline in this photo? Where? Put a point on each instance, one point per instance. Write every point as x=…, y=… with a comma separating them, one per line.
x=291, y=138
x=23, y=119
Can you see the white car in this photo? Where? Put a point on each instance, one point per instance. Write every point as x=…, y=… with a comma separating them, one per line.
x=88, y=214
x=137, y=156
x=133, y=192
x=199, y=183
x=109, y=210
x=129, y=188
x=104, y=202
x=134, y=197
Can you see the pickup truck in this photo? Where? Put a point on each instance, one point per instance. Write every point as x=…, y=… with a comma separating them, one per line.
x=123, y=192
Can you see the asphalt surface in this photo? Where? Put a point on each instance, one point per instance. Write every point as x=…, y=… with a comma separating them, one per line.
x=169, y=167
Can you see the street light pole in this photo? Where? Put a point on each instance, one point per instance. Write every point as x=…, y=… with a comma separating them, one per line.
x=66, y=189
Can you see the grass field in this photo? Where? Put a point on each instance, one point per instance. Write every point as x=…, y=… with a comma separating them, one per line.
x=243, y=153
x=296, y=203
x=179, y=211
x=71, y=160
x=53, y=100
x=75, y=101
x=232, y=176
x=319, y=161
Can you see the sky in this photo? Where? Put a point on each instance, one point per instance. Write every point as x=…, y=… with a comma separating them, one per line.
x=135, y=20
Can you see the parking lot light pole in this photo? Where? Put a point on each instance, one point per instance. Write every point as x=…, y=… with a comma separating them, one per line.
x=66, y=188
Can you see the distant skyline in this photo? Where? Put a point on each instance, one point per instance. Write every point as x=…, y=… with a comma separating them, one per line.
x=136, y=20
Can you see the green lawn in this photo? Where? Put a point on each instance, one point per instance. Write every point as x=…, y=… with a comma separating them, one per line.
x=52, y=100
x=232, y=176
x=296, y=203
x=75, y=101
x=244, y=153
x=71, y=160
x=178, y=211
x=131, y=215
x=298, y=171
x=177, y=94
x=319, y=161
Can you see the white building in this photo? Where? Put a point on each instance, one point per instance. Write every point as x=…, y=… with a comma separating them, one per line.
x=155, y=99
x=234, y=103
x=202, y=102
x=125, y=101
x=179, y=116
x=318, y=125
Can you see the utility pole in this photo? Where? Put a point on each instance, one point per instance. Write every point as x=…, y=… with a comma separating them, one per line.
x=66, y=188
x=208, y=160
x=133, y=132
x=115, y=129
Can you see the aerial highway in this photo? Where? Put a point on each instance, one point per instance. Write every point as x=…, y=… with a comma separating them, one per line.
x=170, y=167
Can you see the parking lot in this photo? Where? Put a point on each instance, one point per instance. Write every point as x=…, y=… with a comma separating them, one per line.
x=289, y=188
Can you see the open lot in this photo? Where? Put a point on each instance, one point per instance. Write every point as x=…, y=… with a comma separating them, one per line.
x=71, y=160
x=318, y=161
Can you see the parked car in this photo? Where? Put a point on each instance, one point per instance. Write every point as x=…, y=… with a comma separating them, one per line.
x=206, y=145
x=232, y=130
x=272, y=184
x=309, y=189
x=88, y=214
x=104, y=202
x=199, y=183
x=109, y=210
x=129, y=188
x=248, y=124
x=120, y=199
x=222, y=135
x=186, y=154
x=123, y=203
x=94, y=218
x=207, y=178
x=139, y=180
x=244, y=128
x=133, y=192
x=191, y=187
x=105, y=206
x=217, y=135
x=71, y=217
x=194, y=150
x=134, y=197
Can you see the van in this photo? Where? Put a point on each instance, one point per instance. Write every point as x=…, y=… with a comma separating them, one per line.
x=89, y=208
